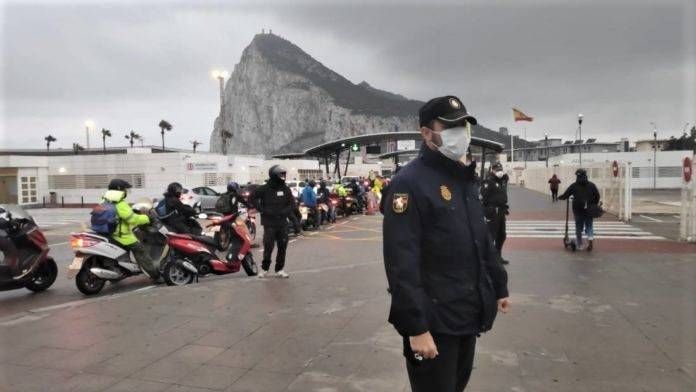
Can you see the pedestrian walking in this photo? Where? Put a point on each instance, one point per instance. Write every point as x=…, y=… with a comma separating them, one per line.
x=275, y=202
x=495, y=206
x=585, y=207
x=444, y=277
x=553, y=184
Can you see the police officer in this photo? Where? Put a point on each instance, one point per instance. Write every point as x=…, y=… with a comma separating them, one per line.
x=444, y=277
x=275, y=202
x=495, y=205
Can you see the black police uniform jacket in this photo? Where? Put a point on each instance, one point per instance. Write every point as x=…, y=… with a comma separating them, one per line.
x=494, y=195
x=443, y=273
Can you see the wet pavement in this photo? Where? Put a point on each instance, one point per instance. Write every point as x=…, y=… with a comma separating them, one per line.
x=621, y=318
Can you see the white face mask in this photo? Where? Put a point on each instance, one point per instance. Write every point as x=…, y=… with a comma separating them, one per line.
x=455, y=142
x=499, y=174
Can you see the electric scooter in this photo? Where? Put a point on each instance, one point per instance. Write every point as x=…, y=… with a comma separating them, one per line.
x=567, y=242
x=24, y=261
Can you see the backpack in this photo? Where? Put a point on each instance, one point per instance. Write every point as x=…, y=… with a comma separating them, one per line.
x=104, y=218
x=161, y=209
x=223, y=204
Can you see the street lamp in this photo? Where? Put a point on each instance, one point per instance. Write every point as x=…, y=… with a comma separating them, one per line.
x=546, y=143
x=89, y=125
x=580, y=132
x=654, y=155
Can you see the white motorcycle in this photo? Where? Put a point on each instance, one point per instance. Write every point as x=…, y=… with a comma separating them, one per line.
x=98, y=260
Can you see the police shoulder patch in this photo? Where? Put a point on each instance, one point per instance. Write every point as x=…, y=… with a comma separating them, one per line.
x=400, y=202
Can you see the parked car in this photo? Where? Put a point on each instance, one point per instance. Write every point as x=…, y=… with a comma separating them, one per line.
x=200, y=198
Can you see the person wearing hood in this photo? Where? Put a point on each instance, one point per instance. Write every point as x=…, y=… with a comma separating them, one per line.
x=495, y=205
x=275, y=202
x=585, y=198
x=445, y=280
x=553, y=185
x=127, y=221
x=178, y=213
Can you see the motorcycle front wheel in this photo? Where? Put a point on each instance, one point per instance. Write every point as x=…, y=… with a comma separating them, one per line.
x=251, y=228
x=176, y=275
x=249, y=265
x=87, y=282
x=44, y=276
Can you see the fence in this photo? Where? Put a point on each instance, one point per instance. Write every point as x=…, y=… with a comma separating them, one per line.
x=687, y=225
x=615, y=190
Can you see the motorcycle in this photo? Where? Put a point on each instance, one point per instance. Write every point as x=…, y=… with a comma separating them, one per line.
x=228, y=233
x=25, y=262
x=98, y=260
x=310, y=218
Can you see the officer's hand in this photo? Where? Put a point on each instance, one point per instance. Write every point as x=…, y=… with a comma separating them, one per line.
x=504, y=304
x=424, y=345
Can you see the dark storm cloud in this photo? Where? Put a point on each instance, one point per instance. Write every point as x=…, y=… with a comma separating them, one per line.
x=622, y=64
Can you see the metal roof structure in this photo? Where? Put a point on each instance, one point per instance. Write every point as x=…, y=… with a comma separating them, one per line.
x=331, y=148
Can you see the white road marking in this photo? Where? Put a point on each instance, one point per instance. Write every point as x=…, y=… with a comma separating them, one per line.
x=59, y=243
x=652, y=219
x=556, y=229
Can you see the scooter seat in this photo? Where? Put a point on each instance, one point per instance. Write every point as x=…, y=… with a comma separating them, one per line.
x=205, y=239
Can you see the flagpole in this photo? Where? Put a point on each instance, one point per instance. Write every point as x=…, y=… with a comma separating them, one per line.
x=512, y=150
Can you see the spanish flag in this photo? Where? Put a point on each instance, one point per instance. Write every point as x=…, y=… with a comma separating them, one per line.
x=519, y=116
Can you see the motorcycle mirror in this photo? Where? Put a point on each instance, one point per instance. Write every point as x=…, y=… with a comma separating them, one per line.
x=202, y=216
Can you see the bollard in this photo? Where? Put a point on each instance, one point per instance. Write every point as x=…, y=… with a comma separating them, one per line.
x=43, y=201
x=62, y=201
x=82, y=202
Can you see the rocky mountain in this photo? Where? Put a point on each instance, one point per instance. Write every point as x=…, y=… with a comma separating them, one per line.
x=281, y=100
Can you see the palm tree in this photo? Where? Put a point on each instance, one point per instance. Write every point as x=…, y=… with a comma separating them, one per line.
x=164, y=126
x=195, y=144
x=49, y=139
x=226, y=135
x=105, y=133
x=132, y=137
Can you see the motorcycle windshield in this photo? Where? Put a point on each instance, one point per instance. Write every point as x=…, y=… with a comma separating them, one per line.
x=16, y=211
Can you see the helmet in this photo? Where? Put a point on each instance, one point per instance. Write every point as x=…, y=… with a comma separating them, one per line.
x=322, y=183
x=353, y=180
x=175, y=189
x=233, y=187
x=118, y=184
x=312, y=183
x=497, y=166
x=277, y=172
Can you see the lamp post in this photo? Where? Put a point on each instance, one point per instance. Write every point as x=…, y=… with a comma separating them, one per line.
x=654, y=155
x=89, y=125
x=221, y=75
x=546, y=143
x=580, y=132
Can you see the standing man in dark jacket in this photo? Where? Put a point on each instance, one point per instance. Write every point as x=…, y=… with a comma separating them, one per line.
x=443, y=272
x=275, y=202
x=323, y=198
x=495, y=206
x=585, y=197
x=178, y=213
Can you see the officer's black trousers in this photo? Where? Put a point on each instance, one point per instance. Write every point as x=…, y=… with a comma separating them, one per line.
x=449, y=371
x=271, y=237
x=496, y=226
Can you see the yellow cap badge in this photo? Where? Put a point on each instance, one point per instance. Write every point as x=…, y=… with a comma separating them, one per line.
x=400, y=202
x=445, y=192
x=455, y=103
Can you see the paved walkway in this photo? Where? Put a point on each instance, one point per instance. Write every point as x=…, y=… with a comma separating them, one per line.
x=619, y=319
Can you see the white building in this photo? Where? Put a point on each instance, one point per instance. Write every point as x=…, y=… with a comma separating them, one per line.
x=75, y=179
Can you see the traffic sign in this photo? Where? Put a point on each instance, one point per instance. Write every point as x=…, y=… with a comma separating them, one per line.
x=687, y=169
x=355, y=147
x=615, y=168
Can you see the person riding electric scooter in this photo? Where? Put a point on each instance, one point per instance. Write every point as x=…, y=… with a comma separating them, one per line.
x=178, y=216
x=128, y=220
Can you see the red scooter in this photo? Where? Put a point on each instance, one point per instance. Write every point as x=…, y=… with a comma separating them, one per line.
x=201, y=252
x=26, y=263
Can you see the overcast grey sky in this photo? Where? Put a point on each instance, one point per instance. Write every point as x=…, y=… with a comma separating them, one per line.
x=128, y=64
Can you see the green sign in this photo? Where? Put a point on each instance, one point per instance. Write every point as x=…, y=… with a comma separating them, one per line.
x=354, y=147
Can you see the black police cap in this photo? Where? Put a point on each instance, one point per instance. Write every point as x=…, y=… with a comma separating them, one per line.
x=448, y=109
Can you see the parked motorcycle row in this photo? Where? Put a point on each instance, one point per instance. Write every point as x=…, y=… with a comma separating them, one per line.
x=222, y=247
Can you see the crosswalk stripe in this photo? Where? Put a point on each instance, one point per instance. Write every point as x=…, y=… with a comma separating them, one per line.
x=556, y=229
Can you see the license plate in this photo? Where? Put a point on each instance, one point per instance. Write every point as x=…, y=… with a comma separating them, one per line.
x=75, y=266
x=304, y=216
